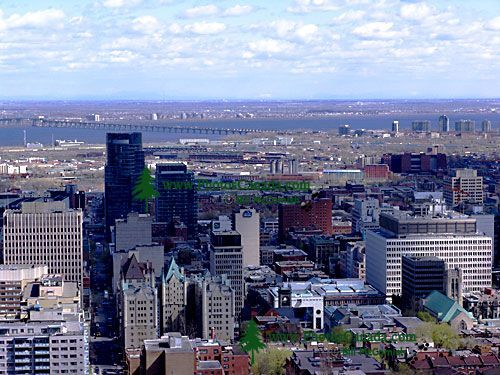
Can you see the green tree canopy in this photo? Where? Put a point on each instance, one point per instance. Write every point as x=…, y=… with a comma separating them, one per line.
x=251, y=342
x=442, y=335
x=144, y=188
x=425, y=316
x=270, y=362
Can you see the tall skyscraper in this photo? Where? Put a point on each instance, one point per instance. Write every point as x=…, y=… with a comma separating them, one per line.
x=173, y=299
x=421, y=126
x=45, y=233
x=247, y=223
x=486, y=126
x=344, y=129
x=465, y=186
x=395, y=126
x=453, y=238
x=226, y=258
x=124, y=164
x=444, y=123
x=177, y=196
x=465, y=126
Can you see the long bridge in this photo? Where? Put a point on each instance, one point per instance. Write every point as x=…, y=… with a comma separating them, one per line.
x=47, y=123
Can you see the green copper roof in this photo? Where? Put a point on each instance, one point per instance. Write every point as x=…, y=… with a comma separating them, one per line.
x=174, y=270
x=443, y=307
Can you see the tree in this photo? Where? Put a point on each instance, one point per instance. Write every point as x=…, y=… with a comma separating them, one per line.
x=270, y=362
x=426, y=317
x=251, y=342
x=443, y=335
x=144, y=188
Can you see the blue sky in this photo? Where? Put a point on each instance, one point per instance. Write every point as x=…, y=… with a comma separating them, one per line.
x=279, y=49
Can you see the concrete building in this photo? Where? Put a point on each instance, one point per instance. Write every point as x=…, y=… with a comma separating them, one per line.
x=247, y=224
x=13, y=280
x=135, y=230
x=464, y=186
x=465, y=126
x=226, y=258
x=365, y=214
x=49, y=341
x=218, y=307
x=395, y=126
x=444, y=124
x=421, y=126
x=486, y=126
x=138, y=304
x=453, y=238
x=353, y=261
x=45, y=233
x=173, y=299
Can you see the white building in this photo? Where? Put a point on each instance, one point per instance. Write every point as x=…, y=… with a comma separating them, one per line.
x=453, y=238
x=247, y=223
x=45, y=233
x=464, y=187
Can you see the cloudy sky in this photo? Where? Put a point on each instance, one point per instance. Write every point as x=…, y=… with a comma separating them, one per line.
x=269, y=49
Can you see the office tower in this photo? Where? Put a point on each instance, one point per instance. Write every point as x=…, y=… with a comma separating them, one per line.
x=293, y=166
x=47, y=342
x=45, y=233
x=413, y=163
x=217, y=307
x=173, y=299
x=452, y=237
x=124, y=164
x=315, y=214
x=247, y=224
x=463, y=186
x=421, y=126
x=365, y=214
x=135, y=229
x=344, y=129
x=395, y=126
x=177, y=196
x=13, y=279
x=444, y=123
x=222, y=224
x=486, y=126
x=421, y=276
x=226, y=258
x=138, y=304
x=465, y=126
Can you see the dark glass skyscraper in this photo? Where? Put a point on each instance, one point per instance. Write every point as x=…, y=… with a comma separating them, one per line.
x=177, y=196
x=124, y=164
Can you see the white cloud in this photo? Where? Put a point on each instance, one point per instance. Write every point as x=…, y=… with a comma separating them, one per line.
x=114, y=4
x=39, y=19
x=146, y=25
x=306, y=32
x=307, y=6
x=270, y=46
x=201, y=11
x=205, y=28
x=416, y=11
x=349, y=16
x=238, y=10
x=494, y=24
x=293, y=30
x=377, y=30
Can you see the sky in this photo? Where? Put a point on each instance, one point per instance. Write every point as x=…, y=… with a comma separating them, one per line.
x=264, y=50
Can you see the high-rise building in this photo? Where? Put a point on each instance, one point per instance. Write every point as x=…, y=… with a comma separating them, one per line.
x=415, y=163
x=315, y=214
x=421, y=276
x=124, y=164
x=173, y=299
x=45, y=233
x=463, y=186
x=451, y=237
x=395, y=126
x=465, y=126
x=344, y=129
x=177, y=196
x=226, y=258
x=365, y=214
x=138, y=304
x=486, y=126
x=444, y=123
x=217, y=307
x=247, y=224
x=13, y=279
x=135, y=229
x=421, y=126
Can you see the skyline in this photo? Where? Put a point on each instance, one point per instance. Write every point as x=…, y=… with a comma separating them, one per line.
x=209, y=51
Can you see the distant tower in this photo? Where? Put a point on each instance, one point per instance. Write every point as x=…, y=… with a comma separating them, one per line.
x=395, y=126
x=486, y=126
x=344, y=129
x=25, y=143
x=444, y=123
